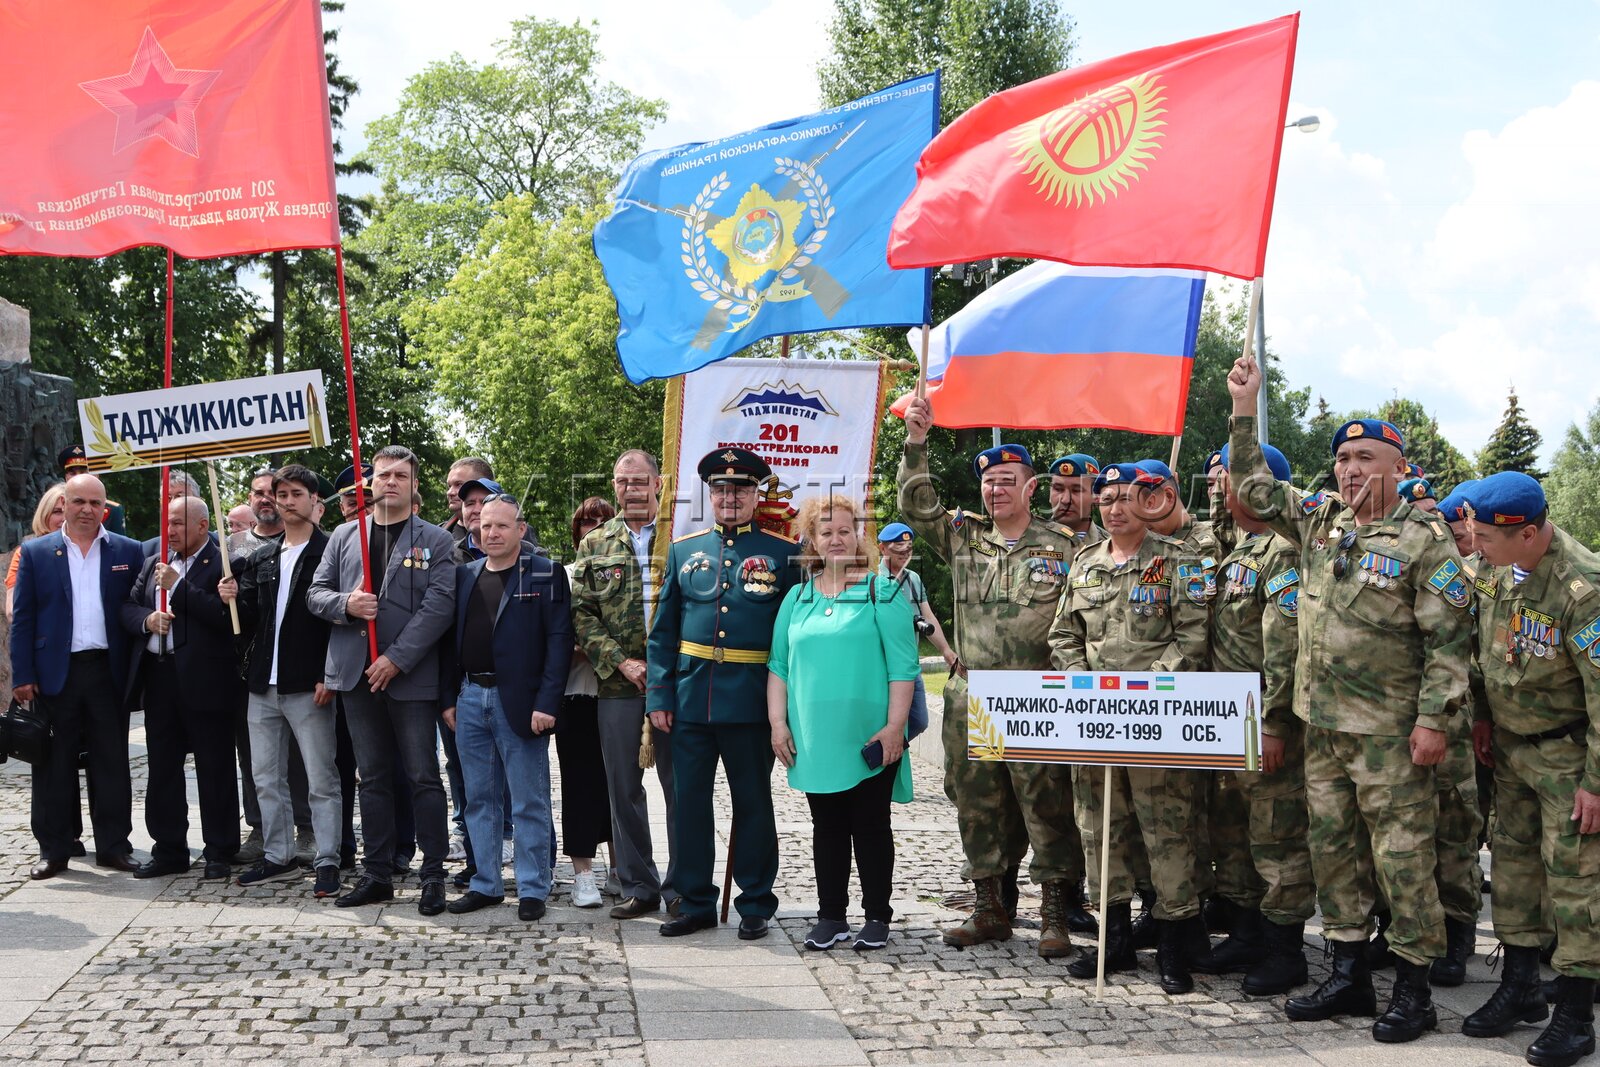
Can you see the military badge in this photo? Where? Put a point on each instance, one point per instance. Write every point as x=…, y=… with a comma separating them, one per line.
x=1380, y=570
x=697, y=562
x=1289, y=603
x=1147, y=600
x=1534, y=633
x=1313, y=502
x=1355, y=430
x=1450, y=582
x=1197, y=584
x=759, y=576
x=1242, y=575
x=957, y=519
x=1485, y=587
x=1155, y=573
x=1587, y=640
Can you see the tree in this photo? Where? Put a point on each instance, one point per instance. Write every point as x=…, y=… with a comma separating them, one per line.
x=1573, y=487
x=1514, y=445
x=1426, y=446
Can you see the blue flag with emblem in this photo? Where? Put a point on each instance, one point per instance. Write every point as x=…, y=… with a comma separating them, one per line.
x=711, y=247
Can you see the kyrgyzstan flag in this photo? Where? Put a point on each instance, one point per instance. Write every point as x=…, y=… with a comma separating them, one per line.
x=1098, y=346
x=199, y=126
x=1161, y=158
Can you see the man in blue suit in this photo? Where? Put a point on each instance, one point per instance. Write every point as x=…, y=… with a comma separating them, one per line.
x=70, y=653
x=514, y=643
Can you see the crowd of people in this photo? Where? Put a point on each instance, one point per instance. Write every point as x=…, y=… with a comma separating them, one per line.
x=1403, y=642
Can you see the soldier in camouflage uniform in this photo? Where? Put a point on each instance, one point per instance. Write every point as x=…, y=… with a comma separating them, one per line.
x=1382, y=669
x=1007, y=572
x=1254, y=628
x=1539, y=651
x=1127, y=609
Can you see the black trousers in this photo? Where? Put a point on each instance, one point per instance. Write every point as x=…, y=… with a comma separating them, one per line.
x=88, y=716
x=585, y=802
x=180, y=718
x=859, y=816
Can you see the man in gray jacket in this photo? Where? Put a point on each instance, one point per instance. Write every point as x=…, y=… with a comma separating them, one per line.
x=392, y=703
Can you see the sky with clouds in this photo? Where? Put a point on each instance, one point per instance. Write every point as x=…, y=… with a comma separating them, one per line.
x=1438, y=237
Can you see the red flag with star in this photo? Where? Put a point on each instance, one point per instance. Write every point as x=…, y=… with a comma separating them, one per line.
x=1162, y=158
x=199, y=126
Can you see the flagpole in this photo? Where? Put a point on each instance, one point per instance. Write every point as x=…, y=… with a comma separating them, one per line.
x=922, y=365
x=222, y=542
x=166, y=485
x=1105, y=879
x=1251, y=326
x=355, y=444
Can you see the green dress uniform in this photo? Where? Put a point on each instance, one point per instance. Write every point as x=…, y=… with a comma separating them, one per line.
x=1383, y=648
x=707, y=653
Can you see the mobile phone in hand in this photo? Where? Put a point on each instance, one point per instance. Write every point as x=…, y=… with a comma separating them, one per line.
x=873, y=754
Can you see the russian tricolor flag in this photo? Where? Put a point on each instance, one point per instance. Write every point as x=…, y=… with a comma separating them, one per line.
x=1057, y=346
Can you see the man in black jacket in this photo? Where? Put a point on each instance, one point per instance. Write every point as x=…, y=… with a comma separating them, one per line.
x=288, y=703
x=183, y=658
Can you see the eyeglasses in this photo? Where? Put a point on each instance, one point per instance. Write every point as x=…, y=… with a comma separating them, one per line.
x=1341, y=563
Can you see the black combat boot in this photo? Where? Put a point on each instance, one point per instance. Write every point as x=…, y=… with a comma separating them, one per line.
x=1079, y=921
x=1172, y=953
x=1410, y=1013
x=1197, y=951
x=1379, y=957
x=1518, y=999
x=1244, y=946
x=1570, y=1035
x=1119, y=946
x=1219, y=914
x=1009, y=892
x=1461, y=941
x=1145, y=934
x=1348, y=990
x=1284, y=964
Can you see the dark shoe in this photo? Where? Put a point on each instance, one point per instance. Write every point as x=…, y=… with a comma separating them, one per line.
x=251, y=851
x=267, y=871
x=472, y=900
x=634, y=907
x=1519, y=998
x=463, y=877
x=126, y=864
x=1010, y=892
x=46, y=869
x=1197, y=952
x=1348, y=990
x=1219, y=913
x=432, y=900
x=988, y=921
x=752, y=928
x=1570, y=1035
x=78, y=849
x=1284, y=965
x=1411, y=1012
x=1172, y=953
x=1244, y=946
x=1145, y=933
x=530, y=909
x=368, y=890
x=674, y=907
x=1079, y=919
x=1461, y=941
x=687, y=924
x=874, y=934
x=827, y=933
x=1054, y=940
x=327, y=881
x=1119, y=946
x=153, y=869
x=1379, y=957
x=217, y=870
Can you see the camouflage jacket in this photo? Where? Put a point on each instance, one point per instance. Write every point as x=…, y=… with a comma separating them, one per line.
x=1129, y=617
x=1386, y=648
x=608, y=605
x=1539, y=648
x=1005, y=597
x=1254, y=623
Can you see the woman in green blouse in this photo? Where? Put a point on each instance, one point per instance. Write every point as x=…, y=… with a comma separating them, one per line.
x=844, y=656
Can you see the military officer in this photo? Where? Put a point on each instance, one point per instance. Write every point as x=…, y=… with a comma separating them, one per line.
x=1539, y=651
x=1253, y=628
x=1008, y=568
x=1382, y=669
x=74, y=462
x=707, y=685
x=1072, y=497
x=1122, y=612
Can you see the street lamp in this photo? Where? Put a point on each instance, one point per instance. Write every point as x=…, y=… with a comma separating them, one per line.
x=1308, y=124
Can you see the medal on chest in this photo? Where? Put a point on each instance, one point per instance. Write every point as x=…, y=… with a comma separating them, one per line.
x=1147, y=600
x=1531, y=633
x=1379, y=570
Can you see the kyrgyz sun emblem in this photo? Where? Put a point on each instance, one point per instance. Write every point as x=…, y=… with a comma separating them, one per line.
x=1095, y=146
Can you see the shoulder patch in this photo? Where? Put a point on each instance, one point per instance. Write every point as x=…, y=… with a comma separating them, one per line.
x=1289, y=602
x=1449, y=582
x=1283, y=581
x=1588, y=640
x=1313, y=502
x=1580, y=589
x=1441, y=532
x=1486, y=586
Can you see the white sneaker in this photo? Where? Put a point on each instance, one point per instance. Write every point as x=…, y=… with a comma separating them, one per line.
x=508, y=853
x=584, y=893
x=458, y=849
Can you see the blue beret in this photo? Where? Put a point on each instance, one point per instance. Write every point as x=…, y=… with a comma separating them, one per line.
x=1355, y=429
x=1416, y=489
x=1509, y=498
x=992, y=457
x=1075, y=464
x=895, y=531
x=1277, y=462
x=1416, y=471
x=1451, y=506
x=347, y=477
x=1127, y=474
x=1219, y=458
x=1157, y=468
x=488, y=485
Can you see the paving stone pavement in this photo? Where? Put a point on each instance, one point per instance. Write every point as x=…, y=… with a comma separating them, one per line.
x=96, y=966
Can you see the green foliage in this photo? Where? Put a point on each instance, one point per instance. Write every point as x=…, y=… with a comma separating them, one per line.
x=1573, y=486
x=1514, y=445
x=1426, y=446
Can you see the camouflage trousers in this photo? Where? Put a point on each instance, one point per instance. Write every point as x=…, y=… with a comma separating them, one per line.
x=1017, y=846
x=1278, y=825
x=1538, y=852
x=1153, y=808
x=1226, y=826
x=1459, y=874
x=1373, y=818
x=999, y=805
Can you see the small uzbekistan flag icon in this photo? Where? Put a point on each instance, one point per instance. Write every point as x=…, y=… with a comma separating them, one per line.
x=1138, y=683
x=1052, y=681
x=1083, y=681
x=1166, y=682
x=1110, y=681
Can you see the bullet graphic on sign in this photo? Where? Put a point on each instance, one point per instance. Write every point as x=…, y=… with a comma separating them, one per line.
x=314, y=417
x=1252, y=742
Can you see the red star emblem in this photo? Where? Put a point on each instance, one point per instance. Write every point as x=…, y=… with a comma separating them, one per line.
x=154, y=99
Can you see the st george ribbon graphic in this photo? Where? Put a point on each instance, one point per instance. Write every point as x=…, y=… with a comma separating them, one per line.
x=711, y=247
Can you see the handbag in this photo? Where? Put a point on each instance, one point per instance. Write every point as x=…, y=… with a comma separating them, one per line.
x=25, y=734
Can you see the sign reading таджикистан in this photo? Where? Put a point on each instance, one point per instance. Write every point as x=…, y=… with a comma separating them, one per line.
x=1197, y=720
x=244, y=417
